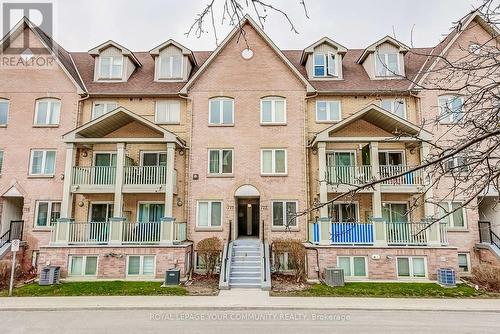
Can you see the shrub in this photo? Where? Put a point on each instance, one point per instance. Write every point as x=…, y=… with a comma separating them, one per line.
x=487, y=276
x=209, y=250
x=296, y=256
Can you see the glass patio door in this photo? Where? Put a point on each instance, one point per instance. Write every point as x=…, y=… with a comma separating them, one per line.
x=152, y=160
x=103, y=173
x=343, y=212
x=150, y=212
x=99, y=215
x=396, y=217
x=343, y=170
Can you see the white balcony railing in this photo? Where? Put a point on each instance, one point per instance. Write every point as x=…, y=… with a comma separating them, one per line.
x=88, y=233
x=406, y=233
x=351, y=175
x=141, y=233
x=94, y=175
x=407, y=177
x=138, y=175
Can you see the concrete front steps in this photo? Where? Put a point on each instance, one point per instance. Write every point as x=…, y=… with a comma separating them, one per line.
x=246, y=264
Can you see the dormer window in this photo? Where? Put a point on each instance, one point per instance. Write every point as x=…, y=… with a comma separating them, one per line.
x=171, y=66
x=325, y=64
x=387, y=64
x=110, y=67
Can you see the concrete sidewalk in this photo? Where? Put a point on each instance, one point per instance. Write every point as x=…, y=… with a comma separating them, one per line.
x=245, y=299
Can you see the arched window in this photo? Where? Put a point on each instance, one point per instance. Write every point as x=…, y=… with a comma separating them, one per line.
x=273, y=110
x=4, y=112
x=221, y=111
x=47, y=111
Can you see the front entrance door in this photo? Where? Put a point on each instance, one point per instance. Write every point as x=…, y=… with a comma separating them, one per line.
x=248, y=217
x=102, y=173
x=101, y=212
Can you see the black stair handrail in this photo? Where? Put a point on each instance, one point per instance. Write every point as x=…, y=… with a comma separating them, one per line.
x=5, y=238
x=227, y=251
x=492, y=237
x=495, y=240
x=15, y=231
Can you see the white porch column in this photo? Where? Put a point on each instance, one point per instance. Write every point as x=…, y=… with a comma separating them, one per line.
x=120, y=165
x=169, y=191
x=377, y=196
x=433, y=232
x=322, y=177
x=67, y=199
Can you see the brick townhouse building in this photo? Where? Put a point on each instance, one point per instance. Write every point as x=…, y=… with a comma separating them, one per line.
x=119, y=162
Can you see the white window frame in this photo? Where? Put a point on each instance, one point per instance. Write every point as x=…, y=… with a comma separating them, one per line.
x=49, y=213
x=92, y=203
x=285, y=262
x=284, y=202
x=386, y=153
x=273, y=100
x=84, y=264
x=6, y=101
x=351, y=265
x=50, y=102
x=451, y=223
x=384, y=57
x=325, y=65
x=109, y=76
x=340, y=203
x=467, y=258
x=452, y=164
x=209, y=213
x=221, y=110
x=273, y=161
x=199, y=268
x=141, y=156
x=106, y=107
x=141, y=266
x=329, y=111
x=168, y=102
x=171, y=67
x=221, y=155
x=44, y=157
x=410, y=264
x=393, y=106
x=449, y=118
x=148, y=203
x=332, y=59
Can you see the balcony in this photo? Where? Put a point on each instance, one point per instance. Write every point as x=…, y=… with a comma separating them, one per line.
x=342, y=178
x=136, y=179
x=117, y=233
x=376, y=233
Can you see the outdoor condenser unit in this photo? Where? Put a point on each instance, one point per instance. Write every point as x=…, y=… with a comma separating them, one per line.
x=173, y=276
x=334, y=276
x=446, y=277
x=50, y=275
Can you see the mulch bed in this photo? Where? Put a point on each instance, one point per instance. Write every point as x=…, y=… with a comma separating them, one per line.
x=287, y=283
x=202, y=285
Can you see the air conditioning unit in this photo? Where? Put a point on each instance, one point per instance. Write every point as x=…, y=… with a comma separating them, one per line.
x=446, y=277
x=50, y=275
x=173, y=276
x=334, y=276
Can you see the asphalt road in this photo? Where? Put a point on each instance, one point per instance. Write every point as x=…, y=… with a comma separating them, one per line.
x=247, y=321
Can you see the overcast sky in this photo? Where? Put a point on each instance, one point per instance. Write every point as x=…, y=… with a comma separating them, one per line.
x=141, y=25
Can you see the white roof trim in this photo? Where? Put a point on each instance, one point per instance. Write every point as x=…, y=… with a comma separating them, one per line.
x=12, y=192
x=185, y=51
x=325, y=40
x=387, y=39
x=247, y=18
x=126, y=52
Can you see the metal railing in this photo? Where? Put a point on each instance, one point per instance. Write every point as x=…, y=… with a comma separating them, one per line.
x=141, y=233
x=145, y=175
x=443, y=233
x=405, y=233
x=88, y=233
x=352, y=233
x=349, y=174
x=486, y=234
x=94, y=175
x=226, y=257
x=408, y=178
x=15, y=231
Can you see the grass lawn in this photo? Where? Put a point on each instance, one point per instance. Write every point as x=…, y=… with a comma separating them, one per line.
x=104, y=288
x=403, y=290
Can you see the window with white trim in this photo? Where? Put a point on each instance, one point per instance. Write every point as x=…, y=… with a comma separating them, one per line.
x=464, y=262
x=273, y=161
x=1, y=161
x=220, y=161
x=394, y=106
x=110, y=67
x=47, y=213
x=42, y=162
x=168, y=112
x=82, y=265
x=450, y=108
x=103, y=107
x=354, y=266
x=141, y=265
x=457, y=164
x=284, y=213
x=285, y=262
x=387, y=64
x=325, y=64
x=171, y=66
x=411, y=267
x=209, y=214
x=328, y=111
x=457, y=218
x=343, y=212
x=221, y=111
x=4, y=112
x=47, y=111
x=273, y=110
x=200, y=262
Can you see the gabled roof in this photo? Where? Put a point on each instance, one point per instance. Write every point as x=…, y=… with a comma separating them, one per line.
x=387, y=39
x=62, y=56
x=185, y=51
x=126, y=52
x=14, y=191
x=114, y=120
x=379, y=117
x=325, y=40
x=237, y=27
x=440, y=50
